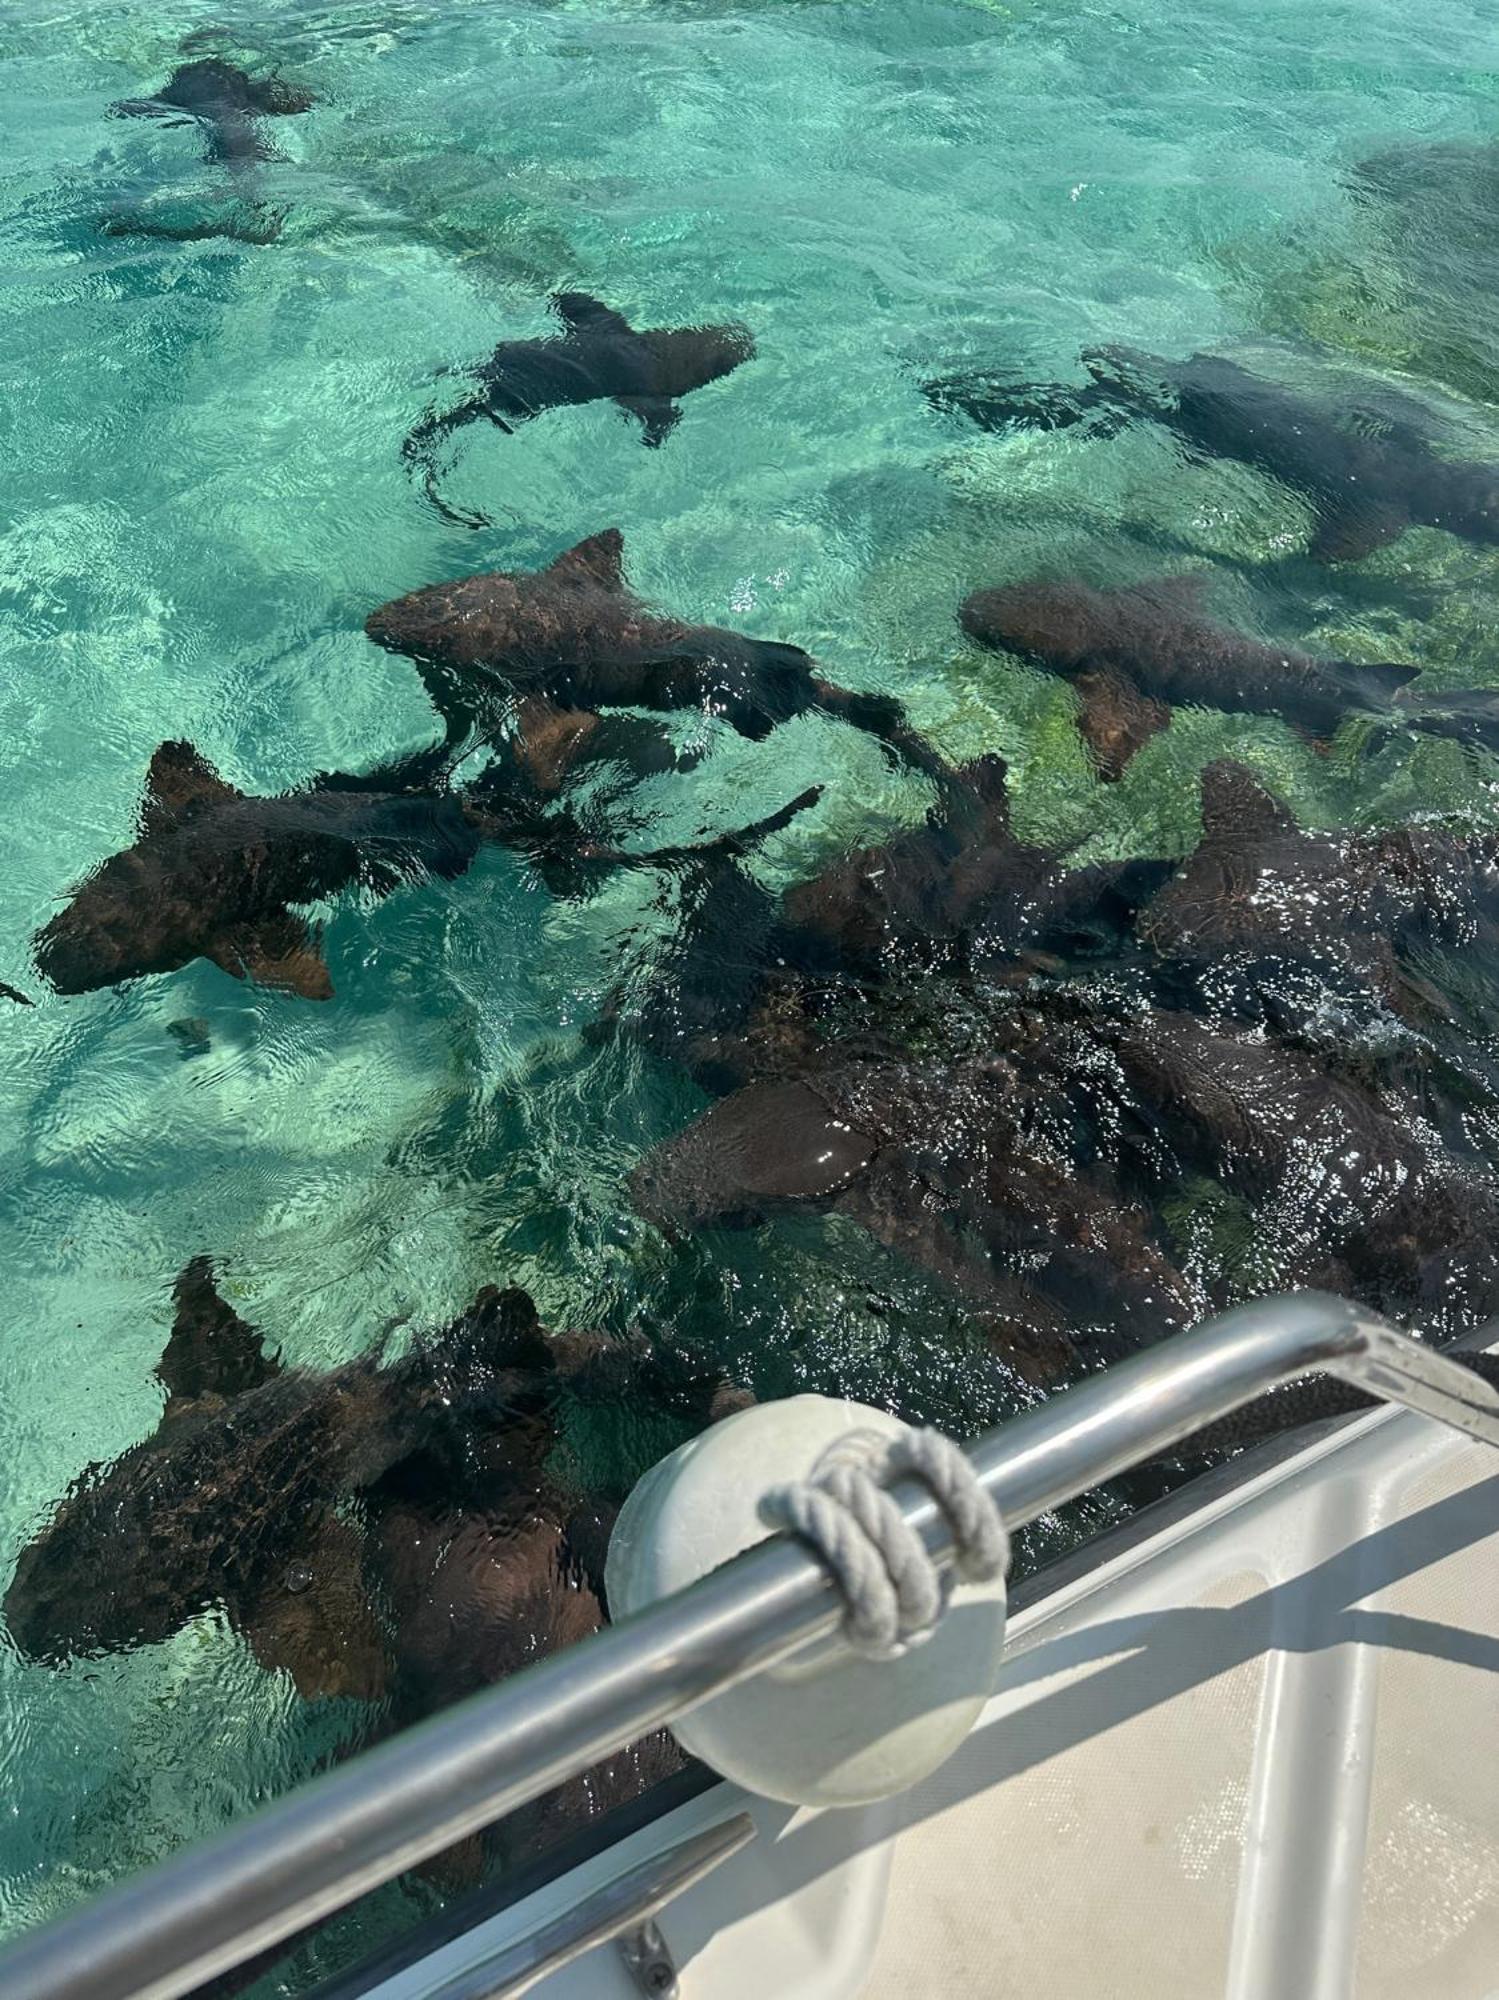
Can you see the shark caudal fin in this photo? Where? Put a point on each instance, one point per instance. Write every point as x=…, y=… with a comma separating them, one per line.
x=423, y=442
x=211, y=1351
x=572, y=865
x=999, y=403
x=1464, y=715
x=882, y=716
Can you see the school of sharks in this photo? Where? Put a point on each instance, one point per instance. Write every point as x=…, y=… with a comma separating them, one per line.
x=1001, y=1062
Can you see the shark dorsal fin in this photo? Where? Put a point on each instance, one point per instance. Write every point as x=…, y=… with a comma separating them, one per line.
x=179, y=776
x=211, y=1350
x=1235, y=804
x=581, y=314
x=503, y=1329
x=986, y=779
x=600, y=558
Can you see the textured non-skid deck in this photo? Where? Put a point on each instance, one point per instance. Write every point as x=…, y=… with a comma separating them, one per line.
x=1256, y=1761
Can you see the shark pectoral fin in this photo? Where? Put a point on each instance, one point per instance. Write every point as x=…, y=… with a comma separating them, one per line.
x=179, y=776
x=580, y=313
x=314, y=1619
x=549, y=740
x=600, y=558
x=211, y=1351
x=279, y=951
x=1347, y=534
x=1115, y=719
x=659, y=416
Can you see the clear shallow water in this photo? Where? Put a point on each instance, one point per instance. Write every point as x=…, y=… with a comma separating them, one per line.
x=204, y=498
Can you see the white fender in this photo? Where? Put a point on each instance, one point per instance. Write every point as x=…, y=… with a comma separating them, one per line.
x=827, y=1727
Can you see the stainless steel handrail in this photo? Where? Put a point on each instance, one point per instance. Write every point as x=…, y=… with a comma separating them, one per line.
x=160, y=1933
x=623, y=1903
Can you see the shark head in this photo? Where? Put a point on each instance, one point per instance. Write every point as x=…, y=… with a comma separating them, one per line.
x=691, y=356
x=768, y=1146
x=488, y=618
x=1058, y=624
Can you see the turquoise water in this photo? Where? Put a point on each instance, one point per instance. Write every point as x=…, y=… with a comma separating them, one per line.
x=204, y=498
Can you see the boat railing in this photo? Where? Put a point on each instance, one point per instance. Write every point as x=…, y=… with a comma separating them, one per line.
x=164, y=1931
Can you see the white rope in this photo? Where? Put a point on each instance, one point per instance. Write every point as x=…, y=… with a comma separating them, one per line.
x=891, y=1586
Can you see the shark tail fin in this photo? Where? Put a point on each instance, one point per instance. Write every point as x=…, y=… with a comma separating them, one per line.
x=571, y=865
x=1464, y=715
x=999, y=403
x=419, y=450
x=882, y=716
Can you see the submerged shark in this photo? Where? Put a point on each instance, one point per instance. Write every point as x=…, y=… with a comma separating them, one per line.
x=1368, y=478
x=213, y=872
x=225, y=103
x=240, y=1497
x=1261, y=890
x=576, y=634
x=385, y=1531
x=958, y=891
x=233, y=1500
x=971, y=1169
x=748, y=985
x=1353, y=1189
x=744, y=983
x=598, y=356
x=1133, y=654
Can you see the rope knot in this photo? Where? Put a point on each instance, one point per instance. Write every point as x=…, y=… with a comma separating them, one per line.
x=892, y=1590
